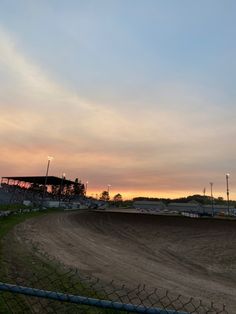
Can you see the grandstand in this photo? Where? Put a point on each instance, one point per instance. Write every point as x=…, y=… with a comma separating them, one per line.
x=15, y=190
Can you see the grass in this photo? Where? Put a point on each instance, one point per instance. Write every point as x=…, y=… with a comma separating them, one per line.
x=7, y=223
x=13, y=207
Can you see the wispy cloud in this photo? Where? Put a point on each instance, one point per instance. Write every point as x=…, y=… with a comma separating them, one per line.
x=166, y=144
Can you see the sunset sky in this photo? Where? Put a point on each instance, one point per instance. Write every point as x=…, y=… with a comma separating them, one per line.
x=139, y=94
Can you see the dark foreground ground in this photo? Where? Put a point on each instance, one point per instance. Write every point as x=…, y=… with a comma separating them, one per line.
x=193, y=257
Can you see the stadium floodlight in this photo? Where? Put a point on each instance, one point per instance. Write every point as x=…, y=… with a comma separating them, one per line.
x=50, y=158
x=108, y=188
x=227, y=190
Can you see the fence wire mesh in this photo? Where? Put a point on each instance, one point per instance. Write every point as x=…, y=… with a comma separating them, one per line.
x=70, y=282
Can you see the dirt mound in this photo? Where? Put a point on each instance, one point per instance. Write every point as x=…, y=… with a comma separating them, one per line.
x=195, y=258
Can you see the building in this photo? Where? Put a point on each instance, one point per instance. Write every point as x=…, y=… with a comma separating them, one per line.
x=192, y=207
x=149, y=205
x=218, y=209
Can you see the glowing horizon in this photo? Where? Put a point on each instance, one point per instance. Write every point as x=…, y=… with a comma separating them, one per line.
x=129, y=195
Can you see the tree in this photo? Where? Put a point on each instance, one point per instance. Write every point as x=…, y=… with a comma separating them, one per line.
x=118, y=198
x=104, y=196
x=220, y=200
x=79, y=188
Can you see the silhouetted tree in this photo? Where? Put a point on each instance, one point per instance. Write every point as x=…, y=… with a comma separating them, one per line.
x=79, y=188
x=117, y=198
x=104, y=196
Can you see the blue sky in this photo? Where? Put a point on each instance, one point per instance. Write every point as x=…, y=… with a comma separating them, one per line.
x=137, y=94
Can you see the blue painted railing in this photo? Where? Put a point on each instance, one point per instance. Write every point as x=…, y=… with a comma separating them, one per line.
x=106, y=304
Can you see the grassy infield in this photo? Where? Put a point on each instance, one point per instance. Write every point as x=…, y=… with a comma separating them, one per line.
x=17, y=262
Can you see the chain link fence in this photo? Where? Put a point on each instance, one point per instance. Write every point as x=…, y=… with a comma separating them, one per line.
x=61, y=290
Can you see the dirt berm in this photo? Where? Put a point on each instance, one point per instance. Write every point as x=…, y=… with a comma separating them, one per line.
x=193, y=257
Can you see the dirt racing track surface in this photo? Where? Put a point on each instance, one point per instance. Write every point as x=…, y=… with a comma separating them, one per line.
x=193, y=257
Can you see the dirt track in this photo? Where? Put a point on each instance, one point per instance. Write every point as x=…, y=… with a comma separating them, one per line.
x=192, y=257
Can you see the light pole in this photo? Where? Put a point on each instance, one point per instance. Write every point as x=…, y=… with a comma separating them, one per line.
x=108, y=191
x=46, y=179
x=212, y=208
x=61, y=186
x=86, y=188
x=227, y=190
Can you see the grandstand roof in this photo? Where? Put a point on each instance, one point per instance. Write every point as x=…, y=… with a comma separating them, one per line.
x=51, y=180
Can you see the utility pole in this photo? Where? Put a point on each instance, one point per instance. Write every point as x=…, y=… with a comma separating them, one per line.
x=86, y=188
x=46, y=179
x=212, y=200
x=63, y=177
x=227, y=190
x=108, y=191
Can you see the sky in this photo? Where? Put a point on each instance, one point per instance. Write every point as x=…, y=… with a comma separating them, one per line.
x=138, y=94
